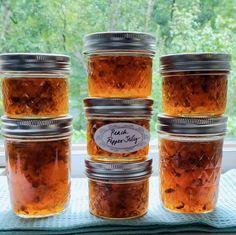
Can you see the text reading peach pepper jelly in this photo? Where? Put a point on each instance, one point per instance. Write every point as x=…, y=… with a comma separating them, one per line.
x=118, y=129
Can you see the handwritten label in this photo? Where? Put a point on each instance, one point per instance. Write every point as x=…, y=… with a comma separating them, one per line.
x=122, y=137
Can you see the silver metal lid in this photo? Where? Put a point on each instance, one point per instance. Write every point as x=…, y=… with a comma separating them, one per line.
x=195, y=62
x=34, y=62
x=188, y=125
x=119, y=40
x=118, y=171
x=113, y=107
x=38, y=128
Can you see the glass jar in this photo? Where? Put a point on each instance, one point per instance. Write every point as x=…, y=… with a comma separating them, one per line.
x=190, y=152
x=34, y=85
x=38, y=165
x=194, y=84
x=118, y=190
x=118, y=129
x=119, y=64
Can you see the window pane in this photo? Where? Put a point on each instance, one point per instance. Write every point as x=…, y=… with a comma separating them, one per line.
x=58, y=26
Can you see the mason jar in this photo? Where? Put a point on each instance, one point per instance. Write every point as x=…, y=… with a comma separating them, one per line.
x=38, y=165
x=34, y=85
x=118, y=129
x=118, y=190
x=119, y=64
x=190, y=151
x=195, y=84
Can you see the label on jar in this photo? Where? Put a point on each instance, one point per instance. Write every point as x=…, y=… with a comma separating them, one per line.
x=122, y=137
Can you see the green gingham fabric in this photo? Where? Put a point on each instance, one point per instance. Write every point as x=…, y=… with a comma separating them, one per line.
x=77, y=219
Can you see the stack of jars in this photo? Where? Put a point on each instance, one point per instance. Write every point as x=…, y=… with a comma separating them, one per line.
x=118, y=122
x=192, y=129
x=37, y=130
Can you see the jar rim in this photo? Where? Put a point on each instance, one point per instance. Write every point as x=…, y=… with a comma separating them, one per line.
x=121, y=52
x=202, y=61
x=118, y=107
x=37, y=128
x=119, y=180
x=192, y=126
x=118, y=171
x=34, y=62
x=119, y=40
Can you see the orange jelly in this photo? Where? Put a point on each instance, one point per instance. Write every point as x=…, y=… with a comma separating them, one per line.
x=118, y=190
x=38, y=165
x=34, y=85
x=118, y=130
x=119, y=64
x=190, y=162
x=194, y=84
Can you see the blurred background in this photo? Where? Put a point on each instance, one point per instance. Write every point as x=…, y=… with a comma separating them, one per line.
x=58, y=26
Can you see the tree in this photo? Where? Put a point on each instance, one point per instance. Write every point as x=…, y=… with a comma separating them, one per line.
x=58, y=26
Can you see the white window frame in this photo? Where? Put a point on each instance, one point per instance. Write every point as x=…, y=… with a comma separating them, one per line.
x=79, y=153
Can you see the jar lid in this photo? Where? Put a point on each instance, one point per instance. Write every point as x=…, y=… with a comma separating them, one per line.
x=195, y=62
x=113, y=107
x=119, y=40
x=37, y=128
x=191, y=126
x=34, y=62
x=118, y=171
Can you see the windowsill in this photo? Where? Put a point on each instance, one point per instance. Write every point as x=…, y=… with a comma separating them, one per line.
x=2, y=171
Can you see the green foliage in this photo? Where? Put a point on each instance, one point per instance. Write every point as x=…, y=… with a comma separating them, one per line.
x=58, y=26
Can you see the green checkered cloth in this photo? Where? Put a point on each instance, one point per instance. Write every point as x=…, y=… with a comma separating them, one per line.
x=77, y=219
